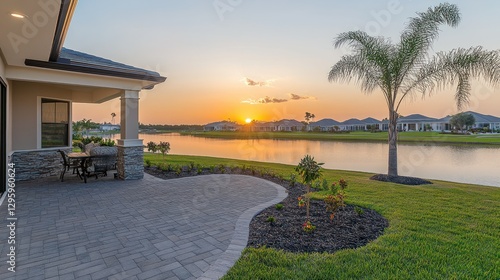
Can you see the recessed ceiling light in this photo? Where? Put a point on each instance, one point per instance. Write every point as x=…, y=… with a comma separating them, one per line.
x=17, y=15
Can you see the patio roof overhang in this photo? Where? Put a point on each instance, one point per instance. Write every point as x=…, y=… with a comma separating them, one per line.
x=37, y=32
x=33, y=52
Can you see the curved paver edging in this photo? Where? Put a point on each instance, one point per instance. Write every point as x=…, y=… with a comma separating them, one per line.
x=240, y=237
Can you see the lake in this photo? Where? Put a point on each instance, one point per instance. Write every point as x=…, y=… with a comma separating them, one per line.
x=467, y=164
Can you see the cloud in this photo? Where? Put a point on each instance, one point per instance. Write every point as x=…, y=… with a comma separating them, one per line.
x=265, y=100
x=253, y=83
x=298, y=97
x=268, y=100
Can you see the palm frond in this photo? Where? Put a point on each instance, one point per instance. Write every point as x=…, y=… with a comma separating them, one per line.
x=355, y=67
x=418, y=37
x=369, y=64
x=458, y=67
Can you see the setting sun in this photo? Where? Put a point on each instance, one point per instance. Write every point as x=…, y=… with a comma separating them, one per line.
x=248, y=120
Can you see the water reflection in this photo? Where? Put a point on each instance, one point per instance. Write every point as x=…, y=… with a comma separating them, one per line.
x=467, y=164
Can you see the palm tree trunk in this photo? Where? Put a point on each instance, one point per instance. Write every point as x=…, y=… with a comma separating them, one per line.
x=393, y=145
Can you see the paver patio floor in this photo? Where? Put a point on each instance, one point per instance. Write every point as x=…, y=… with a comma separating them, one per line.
x=185, y=228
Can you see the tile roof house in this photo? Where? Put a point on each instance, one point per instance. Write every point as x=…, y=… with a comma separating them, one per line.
x=221, y=126
x=288, y=125
x=416, y=122
x=324, y=125
x=488, y=121
x=40, y=80
x=352, y=125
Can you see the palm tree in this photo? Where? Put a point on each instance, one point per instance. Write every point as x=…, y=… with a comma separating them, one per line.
x=405, y=69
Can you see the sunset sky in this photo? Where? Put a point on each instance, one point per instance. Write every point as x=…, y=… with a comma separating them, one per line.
x=262, y=59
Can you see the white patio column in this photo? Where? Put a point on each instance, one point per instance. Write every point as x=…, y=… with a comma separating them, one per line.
x=130, y=164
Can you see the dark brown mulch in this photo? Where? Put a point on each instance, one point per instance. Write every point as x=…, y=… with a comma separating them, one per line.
x=412, y=181
x=351, y=227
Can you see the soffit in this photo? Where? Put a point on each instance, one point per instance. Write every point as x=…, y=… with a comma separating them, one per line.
x=30, y=37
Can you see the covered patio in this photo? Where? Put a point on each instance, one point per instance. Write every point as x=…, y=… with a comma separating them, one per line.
x=40, y=80
x=188, y=228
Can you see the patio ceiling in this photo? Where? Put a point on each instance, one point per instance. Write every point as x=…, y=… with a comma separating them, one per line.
x=37, y=35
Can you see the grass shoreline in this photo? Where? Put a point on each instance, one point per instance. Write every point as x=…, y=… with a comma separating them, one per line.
x=379, y=137
x=442, y=231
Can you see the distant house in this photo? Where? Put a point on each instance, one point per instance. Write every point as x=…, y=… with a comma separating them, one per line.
x=262, y=126
x=221, y=126
x=289, y=125
x=417, y=122
x=442, y=124
x=325, y=125
x=352, y=125
x=371, y=123
x=488, y=121
x=108, y=127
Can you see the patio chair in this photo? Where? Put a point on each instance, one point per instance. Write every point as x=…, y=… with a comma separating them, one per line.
x=69, y=164
x=103, y=160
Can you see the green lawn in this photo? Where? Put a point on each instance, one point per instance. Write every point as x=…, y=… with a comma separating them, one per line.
x=415, y=137
x=440, y=231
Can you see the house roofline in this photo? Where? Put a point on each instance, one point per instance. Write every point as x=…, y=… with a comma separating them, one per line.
x=90, y=69
x=63, y=22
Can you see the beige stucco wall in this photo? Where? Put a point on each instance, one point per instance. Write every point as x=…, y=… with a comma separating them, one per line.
x=25, y=111
x=2, y=68
x=9, y=107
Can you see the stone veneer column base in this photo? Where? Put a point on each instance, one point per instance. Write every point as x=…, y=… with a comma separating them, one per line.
x=130, y=162
x=36, y=164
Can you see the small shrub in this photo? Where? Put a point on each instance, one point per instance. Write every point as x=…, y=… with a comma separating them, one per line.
x=359, y=210
x=199, y=169
x=148, y=162
x=253, y=170
x=324, y=184
x=87, y=140
x=333, y=188
x=212, y=168
x=310, y=171
x=222, y=168
x=335, y=200
x=235, y=168
x=293, y=179
x=278, y=206
x=178, y=170
x=152, y=147
x=271, y=219
x=333, y=203
x=164, y=167
x=302, y=201
x=317, y=185
x=342, y=184
x=192, y=166
x=308, y=227
x=107, y=143
x=164, y=148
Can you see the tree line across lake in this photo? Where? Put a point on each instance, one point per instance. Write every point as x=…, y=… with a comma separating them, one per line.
x=169, y=127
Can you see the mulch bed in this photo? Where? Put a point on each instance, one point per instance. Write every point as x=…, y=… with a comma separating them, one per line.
x=351, y=227
x=404, y=180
